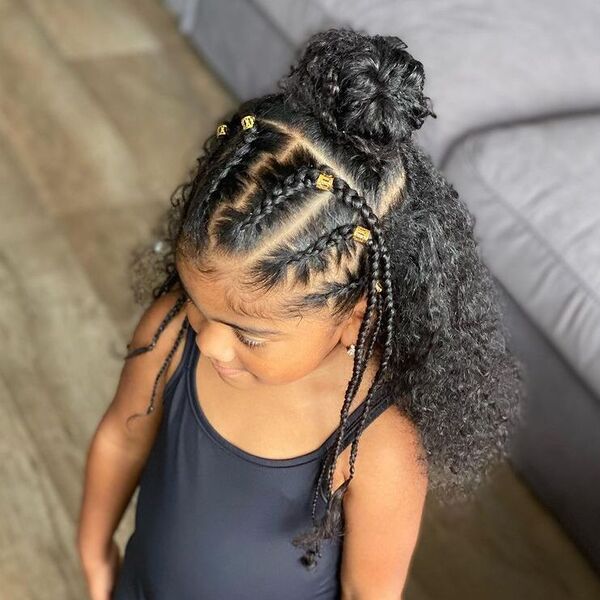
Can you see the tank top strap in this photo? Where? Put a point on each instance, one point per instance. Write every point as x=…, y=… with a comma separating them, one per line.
x=186, y=357
x=378, y=405
x=190, y=344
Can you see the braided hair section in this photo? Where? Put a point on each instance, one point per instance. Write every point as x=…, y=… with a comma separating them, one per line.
x=332, y=523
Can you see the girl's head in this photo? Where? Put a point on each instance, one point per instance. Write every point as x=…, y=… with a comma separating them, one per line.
x=312, y=222
x=268, y=336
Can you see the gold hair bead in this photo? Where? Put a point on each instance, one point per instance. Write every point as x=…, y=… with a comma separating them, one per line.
x=378, y=287
x=222, y=129
x=248, y=122
x=361, y=234
x=324, y=182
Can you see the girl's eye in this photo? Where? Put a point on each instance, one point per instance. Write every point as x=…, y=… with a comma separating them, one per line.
x=246, y=341
x=243, y=339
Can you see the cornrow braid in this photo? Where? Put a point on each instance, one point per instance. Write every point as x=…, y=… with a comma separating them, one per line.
x=279, y=258
x=213, y=146
x=276, y=197
x=180, y=204
x=217, y=145
x=332, y=239
x=245, y=141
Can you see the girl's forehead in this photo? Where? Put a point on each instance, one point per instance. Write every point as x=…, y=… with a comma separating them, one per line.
x=267, y=305
x=225, y=288
x=277, y=305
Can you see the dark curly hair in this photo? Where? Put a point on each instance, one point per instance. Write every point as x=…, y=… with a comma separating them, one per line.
x=348, y=108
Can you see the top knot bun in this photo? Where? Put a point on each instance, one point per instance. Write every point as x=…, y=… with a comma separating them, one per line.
x=364, y=88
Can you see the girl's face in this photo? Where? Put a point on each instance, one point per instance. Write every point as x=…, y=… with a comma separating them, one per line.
x=265, y=350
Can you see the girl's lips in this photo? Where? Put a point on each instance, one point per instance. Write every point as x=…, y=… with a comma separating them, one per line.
x=226, y=371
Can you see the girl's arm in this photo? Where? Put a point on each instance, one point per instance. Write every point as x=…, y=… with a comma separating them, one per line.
x=111, y=476
x=383, y=508
x=117, y=453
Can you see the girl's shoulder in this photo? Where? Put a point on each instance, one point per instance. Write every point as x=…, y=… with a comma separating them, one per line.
x=149, y=324
x=138, y=375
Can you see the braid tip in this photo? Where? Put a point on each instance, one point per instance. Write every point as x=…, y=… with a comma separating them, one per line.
x=137, y=351
x=309, y=558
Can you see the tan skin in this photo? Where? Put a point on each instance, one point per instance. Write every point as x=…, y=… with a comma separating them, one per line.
x=287, y=401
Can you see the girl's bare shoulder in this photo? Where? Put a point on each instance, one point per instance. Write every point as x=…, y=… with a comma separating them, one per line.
x=139, y=373
x=149, y=324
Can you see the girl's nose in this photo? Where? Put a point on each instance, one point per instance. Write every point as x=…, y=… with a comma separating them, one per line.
x=215, y=341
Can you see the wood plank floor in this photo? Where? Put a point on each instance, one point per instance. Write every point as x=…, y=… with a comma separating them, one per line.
x=103, y=109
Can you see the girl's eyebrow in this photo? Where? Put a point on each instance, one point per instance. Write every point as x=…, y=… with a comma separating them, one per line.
x=234, y=325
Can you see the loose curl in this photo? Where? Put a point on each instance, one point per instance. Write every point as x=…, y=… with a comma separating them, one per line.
x=348, y=108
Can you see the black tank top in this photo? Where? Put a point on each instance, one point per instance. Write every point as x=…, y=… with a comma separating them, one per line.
x=214, y=522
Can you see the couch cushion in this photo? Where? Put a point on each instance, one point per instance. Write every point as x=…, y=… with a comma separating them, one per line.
x=485, y=62
x=534, y=190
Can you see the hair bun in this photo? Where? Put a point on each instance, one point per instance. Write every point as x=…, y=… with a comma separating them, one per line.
x=368, y=88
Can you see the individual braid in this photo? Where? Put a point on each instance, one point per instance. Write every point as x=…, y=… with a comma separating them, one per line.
x=333, y=239
x=277, y=196
x=213, y=146
x=330, y=523
x=389, y=310
x=166, y=320
x=170, y=281
x=137, y=351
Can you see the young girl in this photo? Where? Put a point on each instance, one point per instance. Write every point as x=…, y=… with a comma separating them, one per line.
x=321, y=286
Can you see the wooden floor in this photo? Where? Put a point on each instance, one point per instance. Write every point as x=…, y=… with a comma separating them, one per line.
x=103, y=108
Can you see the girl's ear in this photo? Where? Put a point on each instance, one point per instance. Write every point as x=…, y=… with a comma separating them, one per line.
x=352, y=324
x=360, y=308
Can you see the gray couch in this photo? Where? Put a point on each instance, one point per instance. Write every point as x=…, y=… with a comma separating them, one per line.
x=516, y=87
